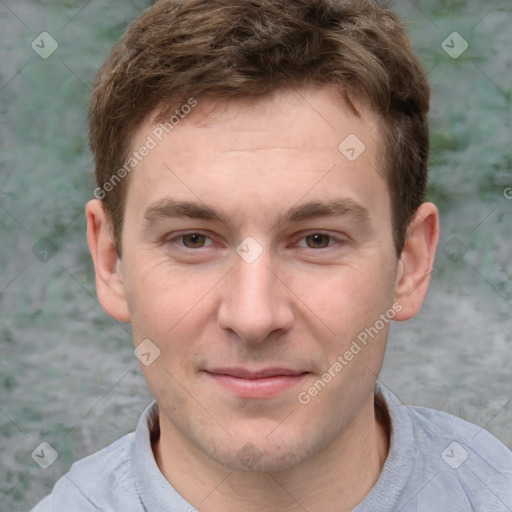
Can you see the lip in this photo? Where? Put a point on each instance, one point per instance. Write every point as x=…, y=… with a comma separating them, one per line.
x=263, y=383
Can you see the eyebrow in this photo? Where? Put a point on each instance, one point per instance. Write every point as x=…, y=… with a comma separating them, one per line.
x=169, y=208
x=332, y=208
x=172, y=208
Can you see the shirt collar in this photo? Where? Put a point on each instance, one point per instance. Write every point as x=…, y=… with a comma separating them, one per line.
x=392, y=481
x=157, y=494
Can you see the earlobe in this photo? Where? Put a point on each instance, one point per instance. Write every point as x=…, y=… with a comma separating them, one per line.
x=109, y=277
x=416, y=261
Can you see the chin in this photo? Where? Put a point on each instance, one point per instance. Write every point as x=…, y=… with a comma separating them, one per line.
x=266, y=457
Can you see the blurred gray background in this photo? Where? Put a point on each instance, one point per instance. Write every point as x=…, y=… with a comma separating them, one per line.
x=67, y=371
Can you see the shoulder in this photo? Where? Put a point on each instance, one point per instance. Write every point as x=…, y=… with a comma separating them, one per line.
x=461, y=441
x=102, y=481
x=97, y=482
x=454, y=459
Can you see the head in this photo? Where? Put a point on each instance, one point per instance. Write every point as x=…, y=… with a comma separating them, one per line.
x=274, y=215
x=181, y=51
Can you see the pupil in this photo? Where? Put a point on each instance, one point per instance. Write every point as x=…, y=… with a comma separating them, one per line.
x=194, y=240
x=318, y=240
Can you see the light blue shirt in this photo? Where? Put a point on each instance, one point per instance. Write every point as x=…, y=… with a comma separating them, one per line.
x=436, y=463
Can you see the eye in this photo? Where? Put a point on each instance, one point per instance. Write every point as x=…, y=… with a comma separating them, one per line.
x=317, y=241
x=190, y=240
x=194, y=240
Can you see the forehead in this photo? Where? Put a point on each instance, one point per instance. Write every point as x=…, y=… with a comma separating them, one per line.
x=275, y=150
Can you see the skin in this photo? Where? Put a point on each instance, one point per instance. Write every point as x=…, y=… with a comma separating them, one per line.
x=299, y=305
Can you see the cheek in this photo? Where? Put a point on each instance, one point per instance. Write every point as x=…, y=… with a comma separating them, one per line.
x=161, y=295
x=348, y=297
x=154, y=293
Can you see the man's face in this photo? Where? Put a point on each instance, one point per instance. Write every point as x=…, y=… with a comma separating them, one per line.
x=269, y=282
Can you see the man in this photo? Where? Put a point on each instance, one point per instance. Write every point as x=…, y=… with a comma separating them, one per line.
x=259, y=219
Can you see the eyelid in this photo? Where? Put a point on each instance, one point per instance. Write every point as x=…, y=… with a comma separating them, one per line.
x=177, y=235
x=335, y=238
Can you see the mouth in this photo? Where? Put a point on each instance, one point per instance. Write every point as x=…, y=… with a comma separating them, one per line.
x=261, y=383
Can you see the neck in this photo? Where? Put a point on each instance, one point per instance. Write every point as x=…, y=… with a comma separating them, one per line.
x=338, y=478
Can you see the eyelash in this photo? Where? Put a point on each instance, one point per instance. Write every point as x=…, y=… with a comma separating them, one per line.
x=181, y=235
x=177, y=237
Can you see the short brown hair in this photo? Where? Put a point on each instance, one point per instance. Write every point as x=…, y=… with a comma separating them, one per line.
x=233, y=49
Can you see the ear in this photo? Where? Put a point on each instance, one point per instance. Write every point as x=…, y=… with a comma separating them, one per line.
x=109, y=278
x=416, y=261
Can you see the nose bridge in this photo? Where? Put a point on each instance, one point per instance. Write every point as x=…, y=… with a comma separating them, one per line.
x=254, y=280
x=255, y=302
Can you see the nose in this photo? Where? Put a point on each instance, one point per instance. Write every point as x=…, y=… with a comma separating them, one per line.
x=256, y=303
